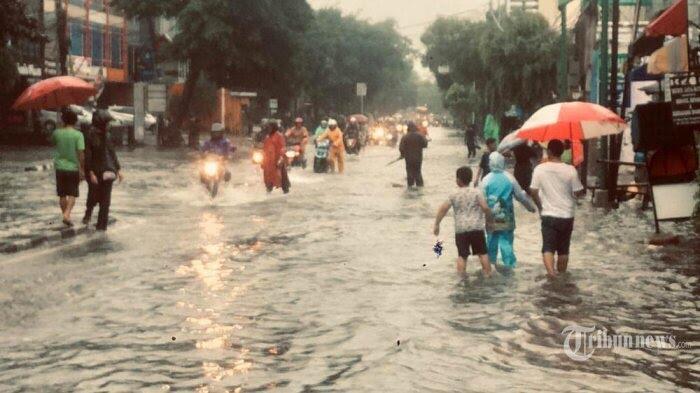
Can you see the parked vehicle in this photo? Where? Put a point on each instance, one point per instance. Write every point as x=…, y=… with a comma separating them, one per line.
x=125, y=115
x=50, y=120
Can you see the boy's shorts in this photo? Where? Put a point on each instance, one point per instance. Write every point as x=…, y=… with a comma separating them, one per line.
x=476, y=240
x=67, y=183
x=556, y=234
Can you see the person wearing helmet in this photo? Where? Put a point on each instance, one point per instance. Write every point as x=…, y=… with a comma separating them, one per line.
x=353, y=130
x=102, y=168
x=336, y=156
x=298, y=135
x=321, y=129
x=220, y=146
x=274, y=160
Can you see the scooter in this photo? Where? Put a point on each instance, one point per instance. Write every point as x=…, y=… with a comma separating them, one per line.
x=212, y=172
x=321, y=157
x=294, y=157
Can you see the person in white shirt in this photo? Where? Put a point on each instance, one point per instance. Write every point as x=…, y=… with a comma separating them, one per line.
x=555, y=187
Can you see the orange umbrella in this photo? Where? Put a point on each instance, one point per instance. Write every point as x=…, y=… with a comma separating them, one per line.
x=54, y=93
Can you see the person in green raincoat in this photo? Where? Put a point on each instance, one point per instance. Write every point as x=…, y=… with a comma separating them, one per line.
x=323, y=127
x=491, y=128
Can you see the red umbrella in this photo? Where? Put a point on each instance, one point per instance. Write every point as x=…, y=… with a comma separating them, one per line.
x=571, y=120
x=54, y=93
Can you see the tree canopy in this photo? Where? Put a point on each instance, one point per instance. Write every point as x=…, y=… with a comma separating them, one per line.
x=342, y=50
x=493, y=65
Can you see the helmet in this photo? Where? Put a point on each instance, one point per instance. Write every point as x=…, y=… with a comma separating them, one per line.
x=298, y=120
x=101, y=118
x=353, y=120
x=332, y=123
x=324, y=123
x=217, y=127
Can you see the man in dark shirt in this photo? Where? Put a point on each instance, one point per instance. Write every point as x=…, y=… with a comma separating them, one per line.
x=484, y=163
x=102, y=168
x=470, y=140
x=411, y=148
x=524, y=155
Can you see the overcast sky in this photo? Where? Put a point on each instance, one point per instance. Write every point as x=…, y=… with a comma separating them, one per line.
x=412, y=16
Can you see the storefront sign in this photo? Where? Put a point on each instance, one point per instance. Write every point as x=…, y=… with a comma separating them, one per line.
x=685, y=98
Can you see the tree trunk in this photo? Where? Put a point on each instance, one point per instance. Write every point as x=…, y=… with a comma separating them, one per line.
x=187, y=96
x=62, y=40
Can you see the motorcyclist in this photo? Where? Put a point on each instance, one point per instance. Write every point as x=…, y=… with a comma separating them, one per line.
x=219, y=146
x=336, y=156
x=353, y=132
x=298, y=135
x=321, y=129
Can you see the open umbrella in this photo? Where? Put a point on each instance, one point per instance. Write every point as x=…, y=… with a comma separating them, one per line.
x=572, y=121
x=509, y=142
x=359, y=117
x=54, y=93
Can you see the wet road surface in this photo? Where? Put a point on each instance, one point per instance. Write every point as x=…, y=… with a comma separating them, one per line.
x=333, y=287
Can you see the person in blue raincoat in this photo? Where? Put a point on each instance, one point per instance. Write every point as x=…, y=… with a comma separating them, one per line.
x=499, y=188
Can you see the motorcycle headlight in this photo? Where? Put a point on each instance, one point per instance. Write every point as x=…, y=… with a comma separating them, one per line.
x=257, y=157
x=379, y=133
x=425, y=123
x=389, y=137
x=211, y=168
x=291, y=154
x=399, y=128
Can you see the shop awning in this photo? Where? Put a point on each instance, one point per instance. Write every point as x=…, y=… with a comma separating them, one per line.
x=673, y=21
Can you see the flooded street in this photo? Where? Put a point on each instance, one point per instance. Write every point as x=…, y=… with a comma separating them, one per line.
x=333, y=287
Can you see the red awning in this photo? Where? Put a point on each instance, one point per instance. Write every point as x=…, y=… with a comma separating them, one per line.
x=673, y=21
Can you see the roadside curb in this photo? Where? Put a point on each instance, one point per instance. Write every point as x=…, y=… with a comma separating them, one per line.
x=49, y=238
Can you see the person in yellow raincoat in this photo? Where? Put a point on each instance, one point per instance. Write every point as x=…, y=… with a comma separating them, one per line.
x=336, y=155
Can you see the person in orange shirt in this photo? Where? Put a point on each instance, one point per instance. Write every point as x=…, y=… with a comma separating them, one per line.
x=336, y=156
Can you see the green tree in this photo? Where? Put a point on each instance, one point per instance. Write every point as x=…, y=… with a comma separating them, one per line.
x=248, y=44
x=15, y=27
x=342, y=50
x=509, y=62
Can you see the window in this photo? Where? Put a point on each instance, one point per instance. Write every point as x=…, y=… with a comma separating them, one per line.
x=116, y=46
x=97, y=5
x=97, y=33
x=77, y=35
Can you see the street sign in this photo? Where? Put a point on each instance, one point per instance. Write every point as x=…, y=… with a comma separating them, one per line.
x=273, y=103
x=685, y=98
x=157, y=98
x=244, y=94
x=361, y=89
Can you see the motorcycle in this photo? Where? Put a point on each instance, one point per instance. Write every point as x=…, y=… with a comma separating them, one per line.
x=212, y=172
x=294, y=156
x=321, y=157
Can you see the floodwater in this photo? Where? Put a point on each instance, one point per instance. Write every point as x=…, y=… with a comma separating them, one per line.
x=333, y=287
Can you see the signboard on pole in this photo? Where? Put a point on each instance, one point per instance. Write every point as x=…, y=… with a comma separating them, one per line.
x=157, y=98
x=273, y=103
x=361, y=89
x=685, y=98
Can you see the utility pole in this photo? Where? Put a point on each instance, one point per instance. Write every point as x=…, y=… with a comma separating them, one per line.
x=603, y=84
x=614, y=151
x=61, y=39
x=563, y=55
